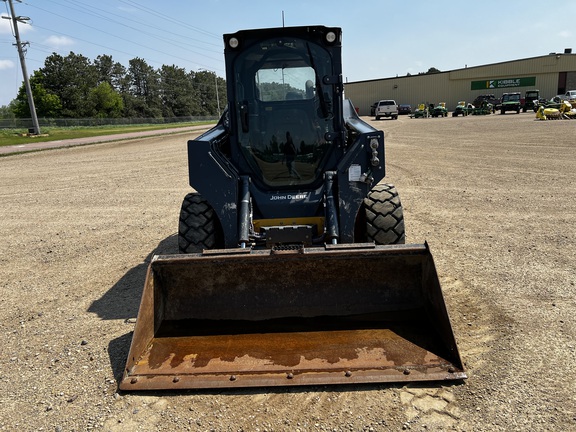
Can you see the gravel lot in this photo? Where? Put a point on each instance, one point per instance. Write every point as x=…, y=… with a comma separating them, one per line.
x=495, y=197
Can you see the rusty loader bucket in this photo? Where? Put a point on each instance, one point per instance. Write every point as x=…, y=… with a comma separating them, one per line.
x=333, y=315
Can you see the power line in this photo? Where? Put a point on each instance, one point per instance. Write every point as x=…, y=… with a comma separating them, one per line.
x=123, y=38
x=107, y=33
x=89, y=9
x=169, y=18
x=159, y=35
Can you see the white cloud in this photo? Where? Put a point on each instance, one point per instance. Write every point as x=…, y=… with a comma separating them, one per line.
x=6, y=64
x=5, y=27
x=58, y=41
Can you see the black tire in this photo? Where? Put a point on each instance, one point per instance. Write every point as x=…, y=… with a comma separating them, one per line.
x=384, y=216
x=199, y=227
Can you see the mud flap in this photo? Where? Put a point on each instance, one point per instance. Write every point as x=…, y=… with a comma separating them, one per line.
x=314, y=316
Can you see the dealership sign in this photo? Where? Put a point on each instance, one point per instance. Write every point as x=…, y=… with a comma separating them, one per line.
x=504, y=83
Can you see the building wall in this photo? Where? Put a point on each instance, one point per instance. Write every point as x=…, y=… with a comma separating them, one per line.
x=571, y=81
x=456, y=85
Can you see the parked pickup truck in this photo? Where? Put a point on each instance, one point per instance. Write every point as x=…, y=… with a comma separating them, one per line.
x=570, y=95
x=386, y=108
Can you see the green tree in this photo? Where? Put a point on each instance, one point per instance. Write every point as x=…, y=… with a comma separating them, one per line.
x=7, y=111
x=73, y=86
x=179, y=97
x=70, y=78
x=431, y=70
x=211, y=90
x=47, y=104
x=111, y=72
x=105, y=102
x=144, y=90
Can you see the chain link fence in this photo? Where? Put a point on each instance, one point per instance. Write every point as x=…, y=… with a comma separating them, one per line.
x=26, y=123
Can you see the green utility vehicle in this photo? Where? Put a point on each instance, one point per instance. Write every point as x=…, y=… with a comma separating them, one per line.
x=440, y=110
x=511, y=102
x=462, y=109
x=530, y=99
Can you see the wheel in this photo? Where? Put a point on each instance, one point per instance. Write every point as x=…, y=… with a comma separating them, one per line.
x=377, y=117
x=199, y=227
x=384, y=215
x=502, y=112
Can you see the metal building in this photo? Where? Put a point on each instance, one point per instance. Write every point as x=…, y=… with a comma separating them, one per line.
x=552, y=74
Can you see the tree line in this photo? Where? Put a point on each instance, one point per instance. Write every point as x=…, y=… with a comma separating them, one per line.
x=76, y=87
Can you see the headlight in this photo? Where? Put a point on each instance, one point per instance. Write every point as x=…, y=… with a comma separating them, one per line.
x=330, y=37
x=233, y=42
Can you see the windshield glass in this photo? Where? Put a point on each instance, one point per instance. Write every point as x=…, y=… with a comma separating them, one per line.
x=284, y=110
x=285, y=83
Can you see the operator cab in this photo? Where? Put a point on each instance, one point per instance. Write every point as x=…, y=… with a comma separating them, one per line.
x=284, y=110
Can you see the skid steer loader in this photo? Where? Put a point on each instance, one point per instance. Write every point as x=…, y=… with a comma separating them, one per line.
x=293, y=268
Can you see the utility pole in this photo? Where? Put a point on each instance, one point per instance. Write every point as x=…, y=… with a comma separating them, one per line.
x=15, y=21
x=217, y=97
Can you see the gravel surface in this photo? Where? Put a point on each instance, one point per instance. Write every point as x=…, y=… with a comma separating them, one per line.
x=495, y=197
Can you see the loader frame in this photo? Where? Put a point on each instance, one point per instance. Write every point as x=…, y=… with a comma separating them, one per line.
x=347, y=154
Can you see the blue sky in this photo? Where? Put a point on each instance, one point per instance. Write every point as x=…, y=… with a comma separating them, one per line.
x=380, y=38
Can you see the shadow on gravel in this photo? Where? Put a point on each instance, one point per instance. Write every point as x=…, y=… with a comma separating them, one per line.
x=122, y=301
x=118, y=352
x=332, y=388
